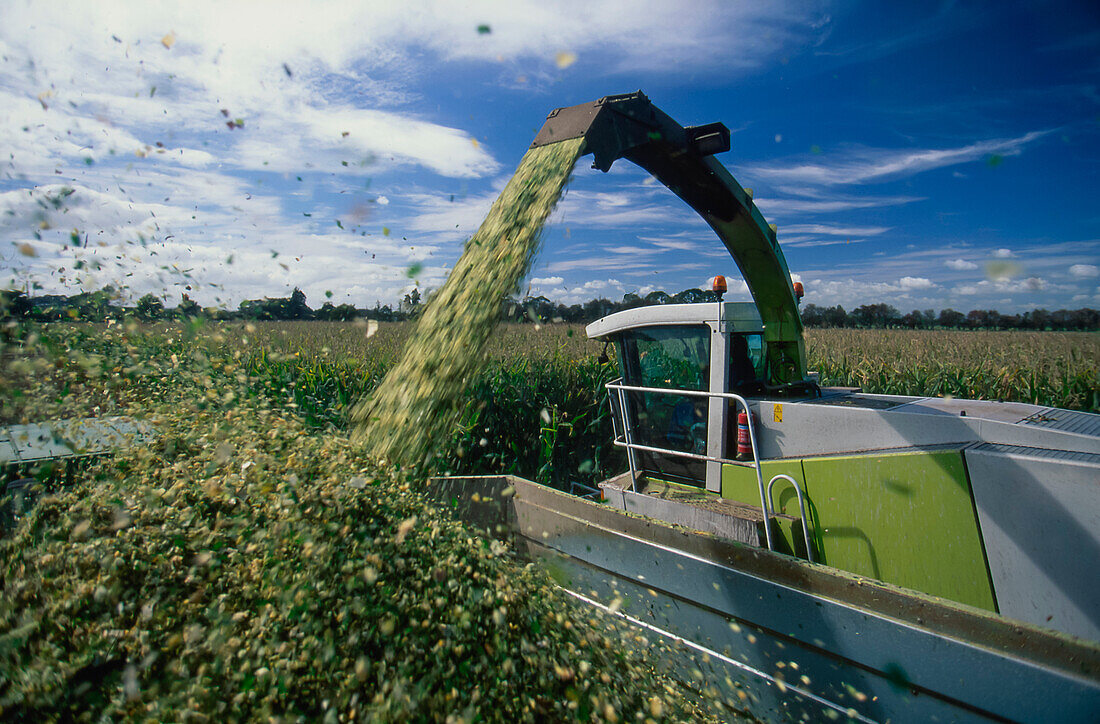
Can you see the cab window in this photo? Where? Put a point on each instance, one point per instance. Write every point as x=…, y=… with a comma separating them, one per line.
x=672, y=357
x=746, y=362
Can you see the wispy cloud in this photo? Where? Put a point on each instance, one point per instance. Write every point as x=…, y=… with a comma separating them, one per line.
x=807, y=235
x=868, y=165
x=794, y=207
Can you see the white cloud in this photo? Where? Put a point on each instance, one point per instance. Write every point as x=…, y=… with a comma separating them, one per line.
x=307, y=136
x=447, y=216
x=1084, y=271
x=961, y=265
x=546, y=281
x=1002, y=254
x=909, y=283
x=868, y=165
x=835, y=230
x=622, y=209
x=774, y=208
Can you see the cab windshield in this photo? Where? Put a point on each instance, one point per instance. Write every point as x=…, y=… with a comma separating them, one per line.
x=673, y=358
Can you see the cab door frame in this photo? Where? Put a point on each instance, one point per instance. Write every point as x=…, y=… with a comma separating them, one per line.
x=717, y=407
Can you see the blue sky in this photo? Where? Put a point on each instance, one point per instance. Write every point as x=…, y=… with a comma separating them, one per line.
x=919, y=155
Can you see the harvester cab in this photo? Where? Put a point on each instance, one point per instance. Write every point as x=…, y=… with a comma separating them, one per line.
x=683, y=367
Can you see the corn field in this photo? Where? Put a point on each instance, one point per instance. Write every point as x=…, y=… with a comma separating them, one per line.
x=1059, y=369
x=538, y=408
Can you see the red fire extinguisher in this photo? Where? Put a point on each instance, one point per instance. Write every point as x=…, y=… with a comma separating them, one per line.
x=744, y=442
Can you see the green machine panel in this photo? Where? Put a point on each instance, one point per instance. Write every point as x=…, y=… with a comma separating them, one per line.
x=739, y=482
x=905, y=518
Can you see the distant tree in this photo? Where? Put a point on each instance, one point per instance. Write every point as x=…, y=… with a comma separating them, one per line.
x=1085, y=319
x=983, y=319
x=694, y=296
x=835, y=317
x=658, y=297
x=596, y=308
x=875, y=315
x=919, y=320
x=296, y=307
x=381, y=312
x=14, y=303
x=92, y=306
x=187, y=308
x=1038, y=319
x=1061, y=319
x=149, y=308
x=950, y=318
x=812, y=316
x=342, y=313
x=538, y=309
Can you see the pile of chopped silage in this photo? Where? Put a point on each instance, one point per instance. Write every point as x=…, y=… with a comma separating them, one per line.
x=244, y=568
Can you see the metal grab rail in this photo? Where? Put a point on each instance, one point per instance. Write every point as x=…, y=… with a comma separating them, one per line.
x=631, y=446
x=801, y=509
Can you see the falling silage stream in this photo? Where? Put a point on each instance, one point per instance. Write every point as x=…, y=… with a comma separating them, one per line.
x=414, y=406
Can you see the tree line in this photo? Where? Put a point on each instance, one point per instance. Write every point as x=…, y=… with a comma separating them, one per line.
x=884, y=315
x=103, y=304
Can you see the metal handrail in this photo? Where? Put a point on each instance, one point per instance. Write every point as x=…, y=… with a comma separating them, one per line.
x=801, y=509
x=631, y=446
x=626, y=431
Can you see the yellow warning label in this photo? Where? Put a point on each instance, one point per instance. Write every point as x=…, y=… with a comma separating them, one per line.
x=778, y=415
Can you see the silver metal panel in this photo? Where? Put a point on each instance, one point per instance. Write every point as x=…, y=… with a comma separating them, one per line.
x=734, y=662
x=8, y=455
x=717, y=408
x=1040, y=522
x=690, y=516
x=38, y=442
x=743, y=315
x=985, y=409
x=1082, y=423
x=1080, y=457
x=814, y=429
x=852, y=397
x=880, y=668
x=99, y=435
x=69, y=438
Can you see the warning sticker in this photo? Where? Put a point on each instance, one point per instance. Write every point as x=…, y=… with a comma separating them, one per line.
x=778, y=412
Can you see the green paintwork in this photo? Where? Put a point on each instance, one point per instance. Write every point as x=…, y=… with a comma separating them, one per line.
x=904, y=518
x=739, y=482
